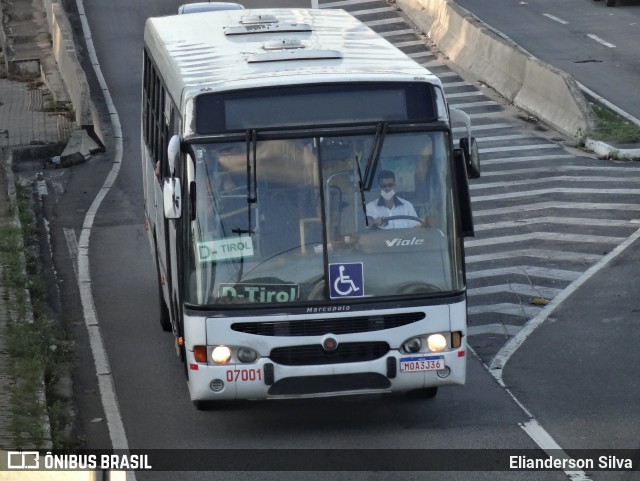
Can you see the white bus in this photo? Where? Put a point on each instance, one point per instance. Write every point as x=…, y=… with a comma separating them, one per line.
x=306, y=206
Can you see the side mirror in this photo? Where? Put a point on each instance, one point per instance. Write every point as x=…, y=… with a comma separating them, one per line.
x=469, y=146
x=173, y=150
x=172, y=198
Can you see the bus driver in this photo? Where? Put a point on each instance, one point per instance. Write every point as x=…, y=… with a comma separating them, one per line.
x=388, y=204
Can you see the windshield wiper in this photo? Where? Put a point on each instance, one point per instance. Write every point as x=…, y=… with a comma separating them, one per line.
x=251, y=142
x=362, y=191
x=372, y=164
x=374, y=156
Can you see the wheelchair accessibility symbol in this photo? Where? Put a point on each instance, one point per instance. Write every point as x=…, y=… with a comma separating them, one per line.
x=346, y=280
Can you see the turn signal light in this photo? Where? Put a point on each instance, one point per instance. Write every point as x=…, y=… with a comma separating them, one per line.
x=200, y=353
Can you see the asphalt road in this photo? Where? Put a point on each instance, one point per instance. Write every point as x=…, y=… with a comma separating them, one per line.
x=596, y=44
x=151, y=393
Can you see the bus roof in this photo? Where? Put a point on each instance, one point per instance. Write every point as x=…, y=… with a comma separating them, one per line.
x=237, y=49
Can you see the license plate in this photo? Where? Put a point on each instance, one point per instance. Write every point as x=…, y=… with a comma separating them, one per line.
x=418, y=364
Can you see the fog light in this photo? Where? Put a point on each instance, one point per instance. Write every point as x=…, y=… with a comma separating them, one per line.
x=221, y=354
x=412, y=345
x=444, y=372
x=437, y=342
x=216, y=385
x=247, y=355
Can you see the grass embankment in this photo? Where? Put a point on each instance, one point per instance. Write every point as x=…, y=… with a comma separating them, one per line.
x=612, y=128
x=39, y=349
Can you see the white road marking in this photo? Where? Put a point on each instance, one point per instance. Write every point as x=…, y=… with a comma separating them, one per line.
x=506, y=308
x=559, y=190
x=500, y=359
x=528, y=159
x=557, y=178
x=384, y=21
x=515, y=288
x=547, y=254
x=395, y=33
x=566, y=168
x=518, y=147
x=541, y=236
x=370, y=11
x=601, y=41
x=556, y=220
x=72, y=245
x=558, y=274
x=555, y=205
x=495, y=328
x=555, y=19
x=483, y=127
x=473, y=104
x=103, y=369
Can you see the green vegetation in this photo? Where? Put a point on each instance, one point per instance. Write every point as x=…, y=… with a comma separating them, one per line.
x=612, y=128
x=38, y=347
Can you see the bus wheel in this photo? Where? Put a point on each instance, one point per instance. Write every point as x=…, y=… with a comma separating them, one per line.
x=165, y=318
x=424, y=393
x=210, y=405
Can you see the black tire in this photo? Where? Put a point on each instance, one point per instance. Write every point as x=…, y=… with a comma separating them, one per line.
x=210, y=405
x=424, y=393
x=610, y=3
x=165, y=317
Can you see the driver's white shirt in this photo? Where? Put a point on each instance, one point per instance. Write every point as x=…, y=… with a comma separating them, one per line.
x=377, y=208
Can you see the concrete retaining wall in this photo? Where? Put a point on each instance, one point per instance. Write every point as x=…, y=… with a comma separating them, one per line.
x=529, y=83
x=73, y=75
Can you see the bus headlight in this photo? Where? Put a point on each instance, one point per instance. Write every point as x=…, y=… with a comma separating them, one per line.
x=221, y=355
x=437, y=342
x=246, y=355
x=412, y=345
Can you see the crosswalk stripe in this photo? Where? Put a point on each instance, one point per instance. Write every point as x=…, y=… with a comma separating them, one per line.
x=409, y=43
x=499, y=138
x=395, y=33
x=557, y=178
x=560, y=168
x=420, y=55
x=343, y=3
x=505, y=308
x=483, y=127
x=557, y=190
x=528, y=159
x=370, y=11
x=473, y=104
x=508, y=148
x=547, y=254
x=457, y=95
x=515, y=288
x=558, y=274
x=587, y=206
x=556, y=220
x=384, y=21
x=495, y=328
x=448, y=85
x=543, y=236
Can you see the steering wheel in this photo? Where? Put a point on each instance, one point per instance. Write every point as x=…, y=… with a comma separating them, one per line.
x=385, y=220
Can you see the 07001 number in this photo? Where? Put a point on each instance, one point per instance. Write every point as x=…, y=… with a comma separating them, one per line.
x=235, y=375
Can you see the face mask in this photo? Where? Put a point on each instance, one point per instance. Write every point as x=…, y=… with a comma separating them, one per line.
x=387, y=195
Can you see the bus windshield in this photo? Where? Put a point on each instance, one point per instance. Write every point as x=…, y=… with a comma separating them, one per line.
x=321, y=218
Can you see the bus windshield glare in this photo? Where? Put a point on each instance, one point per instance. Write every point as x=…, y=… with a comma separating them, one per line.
x=283, y=221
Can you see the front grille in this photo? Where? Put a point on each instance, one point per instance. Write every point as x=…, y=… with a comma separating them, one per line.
x=314, y=354
x=320, y=327
x=329, y=383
